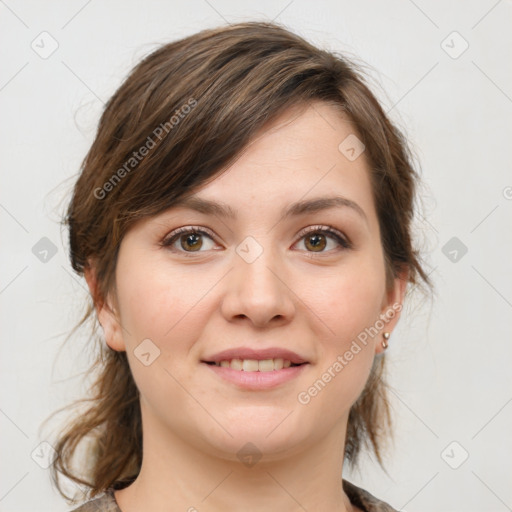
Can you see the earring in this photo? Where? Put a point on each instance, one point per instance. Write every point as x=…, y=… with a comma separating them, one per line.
x=385, y=335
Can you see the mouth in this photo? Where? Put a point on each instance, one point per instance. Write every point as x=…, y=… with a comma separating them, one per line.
x=256, y=369
x=255, y=365
x=254, y=374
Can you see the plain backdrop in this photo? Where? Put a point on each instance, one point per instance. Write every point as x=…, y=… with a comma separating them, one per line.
x=443, y=71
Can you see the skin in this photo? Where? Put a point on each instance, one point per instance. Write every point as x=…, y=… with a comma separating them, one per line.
x=314, y=303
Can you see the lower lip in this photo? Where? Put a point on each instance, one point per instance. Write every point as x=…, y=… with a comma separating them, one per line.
x=257, y=380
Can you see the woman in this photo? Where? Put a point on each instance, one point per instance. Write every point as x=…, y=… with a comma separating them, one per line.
x=243, y=223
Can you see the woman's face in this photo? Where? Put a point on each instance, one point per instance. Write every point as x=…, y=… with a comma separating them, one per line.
x=269, y=284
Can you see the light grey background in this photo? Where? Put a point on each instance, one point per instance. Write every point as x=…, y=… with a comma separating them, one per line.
x=449, y=361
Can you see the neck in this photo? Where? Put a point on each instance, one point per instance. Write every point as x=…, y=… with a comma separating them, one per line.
x=176, y=475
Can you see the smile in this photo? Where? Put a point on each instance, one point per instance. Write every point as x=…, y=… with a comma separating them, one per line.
x=255, y=365
x=246, y=374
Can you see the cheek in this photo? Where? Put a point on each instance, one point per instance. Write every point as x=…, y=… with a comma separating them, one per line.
x=155, y=303
x=158, y=305
x=348, y=307
x=349, y=301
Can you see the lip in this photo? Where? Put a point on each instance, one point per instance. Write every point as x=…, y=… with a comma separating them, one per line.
x=259, y=355
x=256, y=381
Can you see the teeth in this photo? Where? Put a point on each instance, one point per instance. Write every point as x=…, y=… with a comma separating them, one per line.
x=237, y=364
x=253, y=365
x=267, y=365
x=250, y=365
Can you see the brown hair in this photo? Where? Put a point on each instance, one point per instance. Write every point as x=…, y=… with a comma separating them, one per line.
x=195, y=104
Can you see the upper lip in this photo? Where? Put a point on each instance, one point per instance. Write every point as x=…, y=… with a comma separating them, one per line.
x=259, y=355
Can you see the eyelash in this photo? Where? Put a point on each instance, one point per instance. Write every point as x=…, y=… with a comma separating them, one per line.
x=329, y=230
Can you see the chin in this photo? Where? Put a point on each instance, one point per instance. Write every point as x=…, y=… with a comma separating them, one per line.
x=272, y=435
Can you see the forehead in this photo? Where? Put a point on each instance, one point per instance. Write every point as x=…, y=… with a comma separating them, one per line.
x=300, y=156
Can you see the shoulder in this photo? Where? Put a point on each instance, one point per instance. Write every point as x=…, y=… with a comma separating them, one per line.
x=104, y=503
x=364, y=500
x=357, y=496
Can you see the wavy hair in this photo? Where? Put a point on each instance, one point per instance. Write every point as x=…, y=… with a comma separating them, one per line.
x=235, y=80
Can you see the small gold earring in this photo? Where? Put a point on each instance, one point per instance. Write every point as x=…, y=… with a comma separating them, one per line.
x=385, y=335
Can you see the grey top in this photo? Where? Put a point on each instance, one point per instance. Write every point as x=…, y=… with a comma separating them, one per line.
x=357, y=496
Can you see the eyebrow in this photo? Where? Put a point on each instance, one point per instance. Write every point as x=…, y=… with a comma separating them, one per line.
x=224, y=210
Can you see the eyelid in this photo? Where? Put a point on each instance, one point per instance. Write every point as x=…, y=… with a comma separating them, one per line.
x=342, y=240
x=330, y=230
x=187, y=229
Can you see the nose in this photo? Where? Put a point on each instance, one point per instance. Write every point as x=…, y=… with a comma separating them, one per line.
x=259, y=291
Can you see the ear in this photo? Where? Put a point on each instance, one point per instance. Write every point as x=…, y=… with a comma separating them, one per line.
x=392, y=306
x=107, y=316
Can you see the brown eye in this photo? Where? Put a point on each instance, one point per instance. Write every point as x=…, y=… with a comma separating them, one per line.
x=316, y=242
x=191, y=241
x=188, y=241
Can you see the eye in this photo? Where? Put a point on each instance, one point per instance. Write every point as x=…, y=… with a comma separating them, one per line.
x=316, y=238
x=189, y=240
